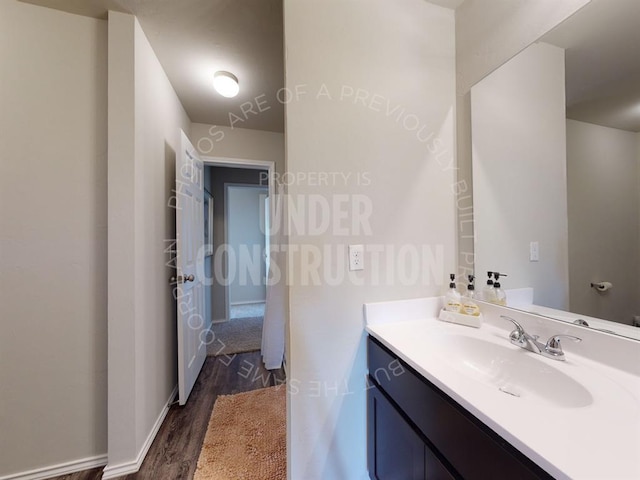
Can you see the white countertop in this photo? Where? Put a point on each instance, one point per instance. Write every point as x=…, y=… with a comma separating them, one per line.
x=598, y=441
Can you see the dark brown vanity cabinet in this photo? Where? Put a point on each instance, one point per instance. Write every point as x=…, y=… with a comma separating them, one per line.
x=396, y=451
x=415, y=431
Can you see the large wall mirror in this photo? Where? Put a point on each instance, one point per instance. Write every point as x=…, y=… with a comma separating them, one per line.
x=556, y=170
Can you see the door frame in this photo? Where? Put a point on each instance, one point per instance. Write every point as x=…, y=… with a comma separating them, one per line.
x=228, y=162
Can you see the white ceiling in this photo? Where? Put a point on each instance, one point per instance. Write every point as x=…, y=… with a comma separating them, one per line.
x=602, y=43
x=195, y=38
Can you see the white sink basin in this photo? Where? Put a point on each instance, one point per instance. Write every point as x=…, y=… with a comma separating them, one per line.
x=577, y=419
x=513, y=371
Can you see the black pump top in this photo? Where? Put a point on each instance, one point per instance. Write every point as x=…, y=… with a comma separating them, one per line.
x=471, y=286
x=452, y=276
x=497, y=275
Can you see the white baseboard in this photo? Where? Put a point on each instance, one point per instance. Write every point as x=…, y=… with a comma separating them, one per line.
x=59, y=469
x=250, y=302
x=220, y=320
x=114, y=471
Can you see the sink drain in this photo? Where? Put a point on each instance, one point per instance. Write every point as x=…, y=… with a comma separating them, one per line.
x=510, y=390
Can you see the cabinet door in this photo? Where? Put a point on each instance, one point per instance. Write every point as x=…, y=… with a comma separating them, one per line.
x=395, y=451
x=433, y=468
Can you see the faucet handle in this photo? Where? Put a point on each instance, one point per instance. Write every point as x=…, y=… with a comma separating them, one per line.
x=519, y=328
x=553, y=346
x=518, y=333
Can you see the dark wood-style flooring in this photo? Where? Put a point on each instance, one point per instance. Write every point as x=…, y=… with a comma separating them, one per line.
x=175, y=450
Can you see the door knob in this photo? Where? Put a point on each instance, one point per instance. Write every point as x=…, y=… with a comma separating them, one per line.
x=189, y=278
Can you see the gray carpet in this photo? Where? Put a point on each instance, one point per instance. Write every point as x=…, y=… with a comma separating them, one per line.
x=235, y=336
x=248, y=310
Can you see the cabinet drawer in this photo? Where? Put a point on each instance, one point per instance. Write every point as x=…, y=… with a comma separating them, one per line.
x=473, y=449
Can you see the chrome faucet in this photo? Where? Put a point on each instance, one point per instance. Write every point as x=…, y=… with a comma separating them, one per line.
x=552, y=349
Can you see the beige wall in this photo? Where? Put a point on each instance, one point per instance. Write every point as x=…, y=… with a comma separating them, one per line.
x=604, y=210
x=242, y=143
x=245, y=221
x=519, y=173
x=145, y=117
x=376, y=100
x=53, y=238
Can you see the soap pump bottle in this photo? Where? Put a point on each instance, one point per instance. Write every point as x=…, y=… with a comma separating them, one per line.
x=469, y=306
x=488, y=292
x=452, y=298
x=500, y=295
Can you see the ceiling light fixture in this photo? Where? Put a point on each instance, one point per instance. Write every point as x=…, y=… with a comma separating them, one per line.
x=226, y=84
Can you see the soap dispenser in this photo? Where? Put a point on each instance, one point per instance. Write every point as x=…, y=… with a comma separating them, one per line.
x=488, y=293
x=469, y=306
x=452, y=299
x=500, y=295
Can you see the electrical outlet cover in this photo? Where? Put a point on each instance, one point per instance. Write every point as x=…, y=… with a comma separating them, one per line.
x=534, y=252
x=356, y=257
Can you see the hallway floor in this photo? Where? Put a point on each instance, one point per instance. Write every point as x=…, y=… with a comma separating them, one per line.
x=248, y=310
x=175, y=450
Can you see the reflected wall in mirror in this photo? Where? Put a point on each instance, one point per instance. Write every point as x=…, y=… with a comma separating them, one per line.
x=556, y=165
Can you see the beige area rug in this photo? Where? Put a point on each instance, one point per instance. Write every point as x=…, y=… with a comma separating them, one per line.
x=246, y=437
x=235, y=336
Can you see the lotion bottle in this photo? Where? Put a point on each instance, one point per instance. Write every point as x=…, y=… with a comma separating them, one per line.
x=488, y=293
x=452, y=298
x=469, y=306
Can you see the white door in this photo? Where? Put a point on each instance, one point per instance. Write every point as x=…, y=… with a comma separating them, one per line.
x=192, y=350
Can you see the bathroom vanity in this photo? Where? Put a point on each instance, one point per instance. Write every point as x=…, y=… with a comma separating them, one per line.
x=447, y=401
x=417, y=431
